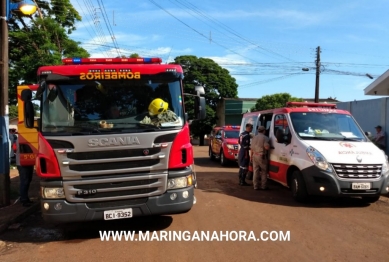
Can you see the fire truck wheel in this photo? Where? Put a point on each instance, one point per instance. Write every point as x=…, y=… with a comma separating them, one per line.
x=371, y=199
x=223, y=160
x=299, y=190
x=211, y=155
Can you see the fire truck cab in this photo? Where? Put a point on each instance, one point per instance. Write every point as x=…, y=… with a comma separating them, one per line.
x=224, y=144
x=317, y=149
x=113, y=139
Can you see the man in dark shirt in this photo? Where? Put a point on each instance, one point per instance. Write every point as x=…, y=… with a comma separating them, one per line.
x=244, y=153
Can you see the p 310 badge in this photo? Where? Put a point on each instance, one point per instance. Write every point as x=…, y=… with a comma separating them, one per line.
x=88, y=192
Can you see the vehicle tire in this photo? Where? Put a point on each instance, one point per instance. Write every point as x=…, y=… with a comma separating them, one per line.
x=371, y=199
x=298, y=187
x=211, y=155
x=223, y=160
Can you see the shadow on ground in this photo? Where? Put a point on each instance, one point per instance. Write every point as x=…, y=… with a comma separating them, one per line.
x=224, y=180
x=227, y=183
x=35, y=230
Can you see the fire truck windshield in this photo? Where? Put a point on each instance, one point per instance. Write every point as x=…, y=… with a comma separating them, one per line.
x=129, y=105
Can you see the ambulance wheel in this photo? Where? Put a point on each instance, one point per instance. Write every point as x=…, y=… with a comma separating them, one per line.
x=223, y=160
x=299, y=190
x=211, y=155
x=371, y=199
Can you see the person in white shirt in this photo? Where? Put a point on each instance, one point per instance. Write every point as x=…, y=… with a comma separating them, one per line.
x=379, y=139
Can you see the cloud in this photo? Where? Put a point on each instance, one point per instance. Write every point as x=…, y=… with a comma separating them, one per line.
x=361, y=85
x=356, y=38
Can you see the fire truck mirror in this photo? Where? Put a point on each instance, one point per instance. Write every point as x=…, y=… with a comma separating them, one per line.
x=199, y=90
x=39, y=123
x=200, y=108
x=26, y=95
x=29, y=114
x=41, y=89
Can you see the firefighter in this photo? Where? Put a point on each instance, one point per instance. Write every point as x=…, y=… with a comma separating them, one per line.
x=259, y=147
x=244, y=154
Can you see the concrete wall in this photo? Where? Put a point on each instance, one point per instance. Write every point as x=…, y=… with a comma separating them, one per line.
x=369, y=113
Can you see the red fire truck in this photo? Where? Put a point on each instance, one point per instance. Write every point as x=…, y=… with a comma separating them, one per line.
x=224, y=144
x=113, y=139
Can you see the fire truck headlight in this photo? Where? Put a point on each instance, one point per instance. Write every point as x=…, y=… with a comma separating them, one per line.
x=230, y=146
x=180, y=182
x=52, y=192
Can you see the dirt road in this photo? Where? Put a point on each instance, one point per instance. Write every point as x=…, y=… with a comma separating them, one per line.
x=324, y=230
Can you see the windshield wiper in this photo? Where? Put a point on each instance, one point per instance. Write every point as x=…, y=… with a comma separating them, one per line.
x=352, y=139
x=87, y=129
x=319, y=138
x=148, y=126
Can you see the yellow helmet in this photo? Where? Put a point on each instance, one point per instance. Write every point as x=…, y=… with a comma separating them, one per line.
x=157, y=106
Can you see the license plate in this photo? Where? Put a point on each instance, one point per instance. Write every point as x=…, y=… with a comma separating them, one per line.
x=360, y=186
x=117, y=214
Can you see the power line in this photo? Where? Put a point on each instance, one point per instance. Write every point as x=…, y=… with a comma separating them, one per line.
x=108, y=25
x=228, y=29
x=153, y=2
x=269, y=80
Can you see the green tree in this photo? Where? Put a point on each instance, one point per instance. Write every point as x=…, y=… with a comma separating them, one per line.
x=217, y=83
x=274, y=101
x=13, y=111
x=133, y=55
x=41, y=39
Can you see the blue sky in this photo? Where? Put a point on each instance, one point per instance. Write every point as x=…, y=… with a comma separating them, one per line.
x=263, y=44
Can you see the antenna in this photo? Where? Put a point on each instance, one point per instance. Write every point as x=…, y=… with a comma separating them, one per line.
x=169, y=54
x=113, y=18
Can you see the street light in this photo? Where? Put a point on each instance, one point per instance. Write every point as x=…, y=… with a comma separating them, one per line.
x=26, y=8
x=317, y=81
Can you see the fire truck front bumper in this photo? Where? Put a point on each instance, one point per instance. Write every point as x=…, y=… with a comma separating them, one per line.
x=171, y=202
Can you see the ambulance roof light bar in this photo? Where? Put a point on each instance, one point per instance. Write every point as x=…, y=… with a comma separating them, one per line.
x=306, y=104
x=84, y=61
x=231, y=127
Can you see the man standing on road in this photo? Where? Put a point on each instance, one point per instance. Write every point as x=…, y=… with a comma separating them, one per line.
x=380, y=138
x=259, y=147
x=25, y=178
x=244, y=154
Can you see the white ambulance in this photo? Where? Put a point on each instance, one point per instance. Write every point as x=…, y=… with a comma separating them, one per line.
x=317, y=149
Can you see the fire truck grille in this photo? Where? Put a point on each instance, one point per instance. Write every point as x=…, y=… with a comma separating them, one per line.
x=114, y=165
x=116, y=188
x=108, y=204
x=120, y=193
x=117, y=185
x=357, y=171
x=114, y=154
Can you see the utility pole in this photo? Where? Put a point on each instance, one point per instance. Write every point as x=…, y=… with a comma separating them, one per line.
x=4, y=132
x=317, y=74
